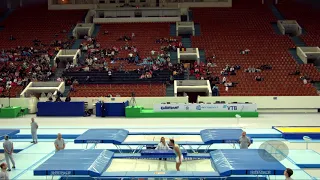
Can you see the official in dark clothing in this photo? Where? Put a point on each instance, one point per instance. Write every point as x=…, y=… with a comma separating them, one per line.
x=103, y=109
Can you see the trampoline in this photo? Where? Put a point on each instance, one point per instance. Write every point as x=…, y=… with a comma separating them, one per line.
x=145, y=163
x=106, y=164
x=122, y=137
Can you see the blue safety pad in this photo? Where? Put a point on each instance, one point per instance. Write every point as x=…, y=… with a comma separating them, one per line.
x=154, y=143
x=164, y=133
x=113, y=136
x=139, y=156
x=245, y=162
x=166, y=174
x=61, y=109
x=213, y=136
x=91, y=162
x=9, y=132
x=161, y=153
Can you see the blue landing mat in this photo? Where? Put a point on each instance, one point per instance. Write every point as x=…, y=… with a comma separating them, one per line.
x=211, y=136
x=207, y=178
x=305, y=158
x=245, y=162
x=114, y=136
x=9, y=132
x=91, y=162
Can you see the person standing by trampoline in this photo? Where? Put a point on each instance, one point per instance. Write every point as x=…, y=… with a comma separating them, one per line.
x=177, y=151
x=4, y=175
x=59, y=143
x=244, y=141
x=8, y=150
x=162, y=146
x=34, y=129
x=288, y=173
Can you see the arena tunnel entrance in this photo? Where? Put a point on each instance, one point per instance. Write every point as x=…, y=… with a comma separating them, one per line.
x=193, y=96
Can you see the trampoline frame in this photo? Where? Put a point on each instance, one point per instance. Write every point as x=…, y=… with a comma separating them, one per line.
x=139, y=148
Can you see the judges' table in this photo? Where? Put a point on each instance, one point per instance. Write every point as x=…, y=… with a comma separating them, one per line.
x=237, y=107
x=61, y=108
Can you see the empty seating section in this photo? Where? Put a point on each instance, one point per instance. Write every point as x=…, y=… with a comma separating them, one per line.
x=306, y=14
x=28, y=23
x=124, y=90
x=144, y=40
x=226, y=31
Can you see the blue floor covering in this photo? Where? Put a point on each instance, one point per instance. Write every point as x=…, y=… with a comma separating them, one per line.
x=30, y=156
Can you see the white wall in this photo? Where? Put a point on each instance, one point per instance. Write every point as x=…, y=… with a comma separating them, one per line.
x=23, y=102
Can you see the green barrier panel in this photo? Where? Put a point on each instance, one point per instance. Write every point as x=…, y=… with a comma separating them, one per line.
x=12, y=112
x=140, y=112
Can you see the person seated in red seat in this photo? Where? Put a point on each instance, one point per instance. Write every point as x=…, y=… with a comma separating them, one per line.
x=142, y=76
x=198, y=76
x=258, y=78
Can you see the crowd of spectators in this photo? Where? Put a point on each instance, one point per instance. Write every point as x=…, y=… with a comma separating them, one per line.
x=21, y=65
x=106, y=59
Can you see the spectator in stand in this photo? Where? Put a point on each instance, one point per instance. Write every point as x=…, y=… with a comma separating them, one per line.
x=246, y=51
x=50, y=99
x=88, y=79
x=229, y=84
x=72, y=89
x=58, y=62
x=131, y=59
x=60, y=79
x=142, y=76
x=58, y=99
x=224, y=80
x=215, y=90
x=305, y=81
x=132, y=35
x=258, y=78
x=68, y=98
x=110, y=74
x=152, y=52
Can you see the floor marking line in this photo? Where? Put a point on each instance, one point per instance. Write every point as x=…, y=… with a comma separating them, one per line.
x=34, y=164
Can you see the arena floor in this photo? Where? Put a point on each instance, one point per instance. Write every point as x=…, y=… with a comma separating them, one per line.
x=32, y=156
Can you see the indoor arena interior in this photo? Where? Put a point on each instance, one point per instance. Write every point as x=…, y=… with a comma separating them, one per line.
x=159, y=89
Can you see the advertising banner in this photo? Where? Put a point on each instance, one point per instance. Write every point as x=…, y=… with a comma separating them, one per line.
x=205, y=108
